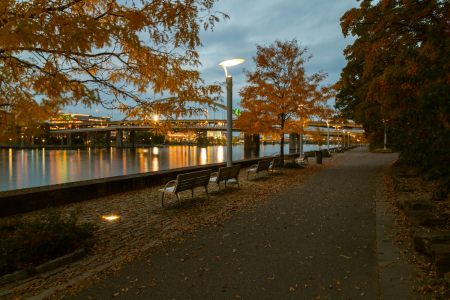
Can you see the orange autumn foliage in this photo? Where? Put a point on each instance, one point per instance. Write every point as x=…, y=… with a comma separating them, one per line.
x=90, y=52
x=280, y=97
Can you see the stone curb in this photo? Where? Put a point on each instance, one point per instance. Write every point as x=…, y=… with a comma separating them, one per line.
x=394, y=274
x=48, y=266
x=53, y=290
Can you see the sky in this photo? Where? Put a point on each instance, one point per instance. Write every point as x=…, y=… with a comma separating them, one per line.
x=314, y=23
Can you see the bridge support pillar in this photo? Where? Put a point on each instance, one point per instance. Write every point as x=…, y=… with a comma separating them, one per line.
x=69, y=140
x=133, y=138
x=91, y=139
x=32, y=141
x=292, y=142
x=119, y=137
x=251, y=142
x=247, y=141
x=108, y=139
x=255, y=142
x=62, y=139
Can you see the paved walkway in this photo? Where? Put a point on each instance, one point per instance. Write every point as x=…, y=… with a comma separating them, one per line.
x=315, y=241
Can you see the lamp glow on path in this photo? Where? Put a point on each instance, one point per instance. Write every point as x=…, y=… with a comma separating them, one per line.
x=111, y=218
x=225, y=64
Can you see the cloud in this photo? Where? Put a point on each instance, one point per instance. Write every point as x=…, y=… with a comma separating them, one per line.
x=315, y=24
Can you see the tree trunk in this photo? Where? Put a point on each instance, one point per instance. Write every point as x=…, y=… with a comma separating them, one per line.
x=282, y=138
x=282, y=145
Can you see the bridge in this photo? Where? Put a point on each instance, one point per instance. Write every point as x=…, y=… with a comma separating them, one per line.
x=90, y=129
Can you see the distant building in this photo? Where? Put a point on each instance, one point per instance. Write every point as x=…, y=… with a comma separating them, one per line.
x=71, y=120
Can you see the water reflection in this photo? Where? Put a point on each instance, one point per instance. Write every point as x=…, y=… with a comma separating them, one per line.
x=220, y=157
x=203, y=156
x=30, y=168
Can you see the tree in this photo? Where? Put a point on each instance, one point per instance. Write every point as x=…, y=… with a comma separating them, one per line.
x=398, y=74
x=110, y=53
x=280, y=97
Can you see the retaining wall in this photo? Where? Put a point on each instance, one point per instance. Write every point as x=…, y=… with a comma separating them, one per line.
x=31, y=199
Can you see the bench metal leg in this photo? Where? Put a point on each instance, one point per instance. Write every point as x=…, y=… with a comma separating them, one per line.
x=218, y=184
x=237, y=182
x=162, y=200
x=257, y=174
x=206, y=189
x=248, y=174
x=179, y=200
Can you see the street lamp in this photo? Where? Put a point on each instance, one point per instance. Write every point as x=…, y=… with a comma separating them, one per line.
x=343, y=142
x=348, y=132
x=328, y=135
x=339, y=144
x=229, y=79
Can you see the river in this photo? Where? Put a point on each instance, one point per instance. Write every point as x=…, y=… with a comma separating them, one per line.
x=38, y=167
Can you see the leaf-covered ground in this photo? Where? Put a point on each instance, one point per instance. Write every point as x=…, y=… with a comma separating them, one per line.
x=143, y=223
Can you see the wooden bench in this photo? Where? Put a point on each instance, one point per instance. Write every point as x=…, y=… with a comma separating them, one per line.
x=303, y=159
x=263, y=165
x=277, y=163
x=185, y=182
x=226, y=173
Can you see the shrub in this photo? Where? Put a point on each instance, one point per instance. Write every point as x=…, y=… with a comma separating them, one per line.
x=25, y=244
x=326, y=154
x=311, y=154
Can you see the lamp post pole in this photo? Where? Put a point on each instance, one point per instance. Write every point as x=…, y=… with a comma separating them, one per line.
x=339, y=144
x=384, y=136
x=229, y=80
x=343, y=146
x=328, y=136
x=229, y=121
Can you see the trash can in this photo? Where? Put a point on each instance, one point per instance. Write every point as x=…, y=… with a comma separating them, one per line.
x=319, y=157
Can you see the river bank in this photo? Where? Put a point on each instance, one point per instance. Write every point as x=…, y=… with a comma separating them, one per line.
x=22, y=168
